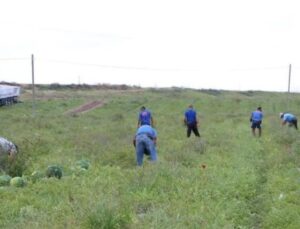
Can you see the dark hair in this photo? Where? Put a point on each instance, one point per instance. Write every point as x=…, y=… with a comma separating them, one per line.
x=259, y=108
x=143, y=108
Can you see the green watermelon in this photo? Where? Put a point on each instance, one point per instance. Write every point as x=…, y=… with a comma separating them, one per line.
x=84, y=164
x=4, y=180
x=17, y=182
x=54, y=171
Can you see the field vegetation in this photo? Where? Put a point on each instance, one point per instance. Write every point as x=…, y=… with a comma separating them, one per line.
x=225, y=179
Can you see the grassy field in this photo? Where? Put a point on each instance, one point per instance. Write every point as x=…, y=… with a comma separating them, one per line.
x=225, y=179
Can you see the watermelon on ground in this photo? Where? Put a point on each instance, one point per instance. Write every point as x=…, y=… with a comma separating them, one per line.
x=17, y=182
x=54, y=171
x=84, y=164
x=4, y=180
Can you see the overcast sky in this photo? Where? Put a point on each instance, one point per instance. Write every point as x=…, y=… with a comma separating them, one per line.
x=232, y=44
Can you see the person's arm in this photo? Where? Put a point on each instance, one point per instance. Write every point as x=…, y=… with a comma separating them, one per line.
x=283, y=120
x=139, y=121
x=152, y=122
x=154, y=141
x=134, y=142
x=185, y=119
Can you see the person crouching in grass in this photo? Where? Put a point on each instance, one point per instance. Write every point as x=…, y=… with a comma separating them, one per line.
x=290, y=119
x=8, y=152
x=145, y=143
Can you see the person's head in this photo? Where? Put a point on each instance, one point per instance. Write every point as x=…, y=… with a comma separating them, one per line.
x=143, y=108
x=259, y=109
x=281, y=115
x=191, y=106
x=13, y=151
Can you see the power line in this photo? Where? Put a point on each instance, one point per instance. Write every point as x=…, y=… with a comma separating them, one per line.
x=258, y=69
x=114, y=66
x=135, y=67
x=18, y=58
x=151, y=68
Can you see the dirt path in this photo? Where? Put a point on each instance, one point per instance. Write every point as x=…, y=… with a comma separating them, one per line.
x=85, y=107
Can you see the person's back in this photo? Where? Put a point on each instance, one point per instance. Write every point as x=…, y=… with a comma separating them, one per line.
x=7, y=147
x=8, y=152
x=191, y=121
x=148, y=130
x=145, y=117
x=190, y=116
x=145, y=143
x=256, y=120
x=288, y=117
x=257, y=115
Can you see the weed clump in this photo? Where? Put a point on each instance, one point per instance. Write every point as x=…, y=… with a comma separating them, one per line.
x=104, y=217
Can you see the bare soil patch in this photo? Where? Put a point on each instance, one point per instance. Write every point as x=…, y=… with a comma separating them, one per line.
x=85, y=107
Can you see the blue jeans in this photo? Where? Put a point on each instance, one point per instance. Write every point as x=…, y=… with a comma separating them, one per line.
x=144, y=145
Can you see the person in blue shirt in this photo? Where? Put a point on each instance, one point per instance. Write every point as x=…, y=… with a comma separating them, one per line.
x=290, y=119
x=191, y=121
x=145, y=143
x=145, y=117
x=256, y=120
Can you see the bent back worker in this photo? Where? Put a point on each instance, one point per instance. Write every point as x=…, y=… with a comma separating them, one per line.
x=145, y=117
x=256, y=120
x=290, y=119
x=7, y=150
x=191, y=121
x=145, y=143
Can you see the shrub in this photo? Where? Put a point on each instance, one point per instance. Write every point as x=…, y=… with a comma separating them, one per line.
x=35, y=176
x=105, y=217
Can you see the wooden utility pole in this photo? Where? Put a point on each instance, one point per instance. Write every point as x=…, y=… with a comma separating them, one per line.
x=290, y=72
x=33, y=89
x=289, y=88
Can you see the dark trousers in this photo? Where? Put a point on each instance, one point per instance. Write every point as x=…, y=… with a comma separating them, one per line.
x=295, y=123
x=192, y=127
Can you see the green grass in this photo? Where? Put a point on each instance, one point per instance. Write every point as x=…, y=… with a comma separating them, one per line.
x=226, y=179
